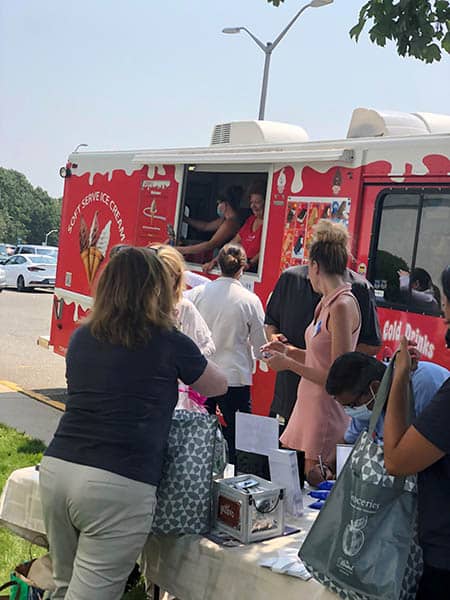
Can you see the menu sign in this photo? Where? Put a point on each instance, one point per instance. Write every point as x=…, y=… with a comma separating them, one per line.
x=302, y=213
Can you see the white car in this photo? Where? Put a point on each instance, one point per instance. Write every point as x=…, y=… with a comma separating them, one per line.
x=25, y=271
x=37, y=249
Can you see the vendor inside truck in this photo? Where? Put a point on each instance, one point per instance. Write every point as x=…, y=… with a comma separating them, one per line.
x=223, y=228
x=201, y=230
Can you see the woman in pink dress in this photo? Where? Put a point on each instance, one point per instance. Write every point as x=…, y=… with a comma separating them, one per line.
x=318, y=422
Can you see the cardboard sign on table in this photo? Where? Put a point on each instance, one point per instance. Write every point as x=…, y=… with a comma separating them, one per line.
x=256, y=434
x=284, y=472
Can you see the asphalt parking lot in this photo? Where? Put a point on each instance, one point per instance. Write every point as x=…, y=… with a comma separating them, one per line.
x=23, y=318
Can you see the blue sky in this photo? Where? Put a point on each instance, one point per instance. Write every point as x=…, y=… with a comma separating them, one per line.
x=159, y=73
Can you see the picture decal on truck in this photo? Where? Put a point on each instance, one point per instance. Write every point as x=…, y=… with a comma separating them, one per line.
x=93, y=245
x=302, y=213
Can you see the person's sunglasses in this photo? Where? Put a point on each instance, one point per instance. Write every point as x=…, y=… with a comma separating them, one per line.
x=120, y=247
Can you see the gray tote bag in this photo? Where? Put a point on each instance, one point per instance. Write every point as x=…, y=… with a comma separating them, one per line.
x=363, y=544
x=195, y=454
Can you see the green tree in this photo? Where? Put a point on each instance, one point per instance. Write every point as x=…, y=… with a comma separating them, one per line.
x=26, y=213
x=419, y=28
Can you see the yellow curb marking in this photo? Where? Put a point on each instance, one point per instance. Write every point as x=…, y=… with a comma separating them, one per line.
x=35, y=395
x=43, y=341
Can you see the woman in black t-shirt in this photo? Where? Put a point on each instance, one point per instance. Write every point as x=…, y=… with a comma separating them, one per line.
x=99, y=474
x=424, y=448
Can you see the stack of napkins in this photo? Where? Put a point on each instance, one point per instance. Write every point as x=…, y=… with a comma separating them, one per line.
x=286, y=562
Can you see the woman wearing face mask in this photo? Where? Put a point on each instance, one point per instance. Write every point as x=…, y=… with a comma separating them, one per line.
x=224, y=227
x=424, y=448
x=318, y=422
x=249, y=235
x=235, y=317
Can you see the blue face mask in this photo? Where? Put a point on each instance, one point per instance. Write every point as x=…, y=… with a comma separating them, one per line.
x=220, y=212
x=360, y=412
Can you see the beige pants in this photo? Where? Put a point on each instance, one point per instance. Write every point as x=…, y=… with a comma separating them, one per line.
x=97, y=524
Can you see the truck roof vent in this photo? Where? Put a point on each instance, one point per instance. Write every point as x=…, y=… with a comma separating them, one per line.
x=221, y=134
x=367, y=122
x=255, y=133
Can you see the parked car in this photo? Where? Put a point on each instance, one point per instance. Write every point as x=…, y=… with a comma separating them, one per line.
x=24, y=271
x=36, y=249
x=6, y=250
x=2, y=278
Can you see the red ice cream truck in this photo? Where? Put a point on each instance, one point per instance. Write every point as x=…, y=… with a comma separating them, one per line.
x=388, y=181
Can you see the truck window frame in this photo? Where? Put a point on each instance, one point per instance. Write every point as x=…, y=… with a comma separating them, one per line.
x=413, y=190
x=264, y=170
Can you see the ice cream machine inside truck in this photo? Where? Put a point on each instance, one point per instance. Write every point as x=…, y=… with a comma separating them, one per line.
x=388, y=181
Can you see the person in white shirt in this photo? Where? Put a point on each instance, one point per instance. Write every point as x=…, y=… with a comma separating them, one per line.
x=235, y=317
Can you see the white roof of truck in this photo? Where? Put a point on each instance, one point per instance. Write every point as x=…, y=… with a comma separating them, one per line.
x=266, y=142
x=367, y=122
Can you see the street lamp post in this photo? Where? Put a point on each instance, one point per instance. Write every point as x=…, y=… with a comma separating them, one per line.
x=269, y=47
x=47, y=234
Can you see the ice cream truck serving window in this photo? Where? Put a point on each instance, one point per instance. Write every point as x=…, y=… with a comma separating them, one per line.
x=410, y=248
x=220, y=205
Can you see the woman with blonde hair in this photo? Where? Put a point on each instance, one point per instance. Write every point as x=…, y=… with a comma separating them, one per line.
x=318, y=422
x=99, y=475
x=188, y=320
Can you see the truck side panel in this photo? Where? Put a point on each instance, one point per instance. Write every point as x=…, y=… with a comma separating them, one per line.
x=101, y=210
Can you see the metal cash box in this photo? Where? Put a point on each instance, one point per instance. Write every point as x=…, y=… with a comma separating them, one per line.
x=248, y=508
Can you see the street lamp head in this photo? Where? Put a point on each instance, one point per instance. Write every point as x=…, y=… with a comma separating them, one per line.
x=317, y=3
x=80, y=146
x=231, y=30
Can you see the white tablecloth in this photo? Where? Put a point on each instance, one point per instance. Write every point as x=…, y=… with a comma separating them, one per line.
x=191, y=567
x=20, y=506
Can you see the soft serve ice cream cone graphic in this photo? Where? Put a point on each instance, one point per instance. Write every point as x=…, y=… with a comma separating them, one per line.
x=84, y=246
x=100, y=249
x=93, y=245
x=93, y=237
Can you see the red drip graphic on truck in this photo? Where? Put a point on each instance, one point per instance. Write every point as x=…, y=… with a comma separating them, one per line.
x=101, y=210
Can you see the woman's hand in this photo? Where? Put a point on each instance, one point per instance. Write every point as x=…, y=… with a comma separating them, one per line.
x=318, y=474
x=414, y=354
x=403, y=359
x=275, y=345
x=277, y=361
x=278, y=337
x=209, y=266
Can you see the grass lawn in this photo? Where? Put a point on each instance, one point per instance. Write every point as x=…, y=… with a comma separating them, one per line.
x=16, y=451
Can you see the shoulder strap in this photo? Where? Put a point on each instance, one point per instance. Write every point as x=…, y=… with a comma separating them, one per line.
x=383, y=395
x=6, y=586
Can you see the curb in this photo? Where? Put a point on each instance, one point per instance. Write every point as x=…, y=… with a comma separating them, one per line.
x=35, y=395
